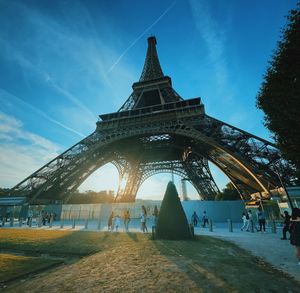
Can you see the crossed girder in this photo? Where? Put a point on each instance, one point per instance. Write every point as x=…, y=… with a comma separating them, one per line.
x=144, y=156
x=162, y=137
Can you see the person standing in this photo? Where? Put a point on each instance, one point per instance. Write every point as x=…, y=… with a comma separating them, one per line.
x=247, y=214
x=195, y=219
x=245, y=221
x=117, y=222
x=126, y=220
x=286, y=225
x=143, y=219
x=29, y=217
x=204, y=219
x=110, y=222
x=261, y=220
x=155, y=217
x=295, y=231
x=250, y=221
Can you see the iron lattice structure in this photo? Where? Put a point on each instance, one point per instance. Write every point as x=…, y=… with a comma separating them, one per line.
x=157, y=131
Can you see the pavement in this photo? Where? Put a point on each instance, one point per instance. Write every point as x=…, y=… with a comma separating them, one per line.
x=267, y=246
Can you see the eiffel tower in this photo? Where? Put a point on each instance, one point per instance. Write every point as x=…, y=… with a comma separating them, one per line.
x=157, y=131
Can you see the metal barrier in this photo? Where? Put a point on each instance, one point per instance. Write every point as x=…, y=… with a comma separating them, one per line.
x=210, y=224
x=62, y=222
x=273, y=226
x=230, y=228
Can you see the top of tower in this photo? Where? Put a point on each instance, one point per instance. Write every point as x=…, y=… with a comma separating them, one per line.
x=152, y=69
x=153, y=87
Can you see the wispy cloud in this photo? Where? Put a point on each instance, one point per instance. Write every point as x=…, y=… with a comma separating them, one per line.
x=73, y=58
x=5, y=97
x=140, y=36
x=21, y=151
x=214, y=37
x=43, y=75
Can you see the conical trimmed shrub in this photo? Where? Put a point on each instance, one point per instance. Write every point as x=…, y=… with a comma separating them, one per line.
x=172, y=223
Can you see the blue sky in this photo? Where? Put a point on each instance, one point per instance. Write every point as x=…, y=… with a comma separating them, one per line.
x=62, y=63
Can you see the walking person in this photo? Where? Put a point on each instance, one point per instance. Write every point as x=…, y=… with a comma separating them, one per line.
x=204, y=219
x=144, y=219
x=126, y=220
x=295, y=231
x=261, y=220
x=195, y=219
x=117, y=222
x=245, y=221
x=248, y=220
x=29, y=217
x=286, y=224
x=110, y=222
x=154, y=217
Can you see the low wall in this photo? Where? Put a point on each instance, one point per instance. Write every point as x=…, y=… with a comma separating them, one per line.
x=218, y=211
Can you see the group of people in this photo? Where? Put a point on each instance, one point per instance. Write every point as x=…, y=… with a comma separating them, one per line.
x=114, y=221
x=247, y=219
x=291, y=224
x=46, y=217
x=195, y=219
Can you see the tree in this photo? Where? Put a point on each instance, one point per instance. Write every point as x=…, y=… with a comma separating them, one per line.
x=4, y=191
x=172, y=223
x=279, y=95
x=91, y=196
x=228, y=193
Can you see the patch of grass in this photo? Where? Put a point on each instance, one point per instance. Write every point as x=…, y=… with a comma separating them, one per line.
x=13, y=266
x=53, y=242
x=134, y=263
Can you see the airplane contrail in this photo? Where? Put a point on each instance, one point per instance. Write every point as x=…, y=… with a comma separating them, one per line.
x=140, y=36
x=38, y=111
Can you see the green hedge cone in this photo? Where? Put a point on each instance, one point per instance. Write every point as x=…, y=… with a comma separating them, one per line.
x=172, y=223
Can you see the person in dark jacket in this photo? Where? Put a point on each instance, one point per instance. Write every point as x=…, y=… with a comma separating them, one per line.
x=295, y=231
x=286, y=224
x=195, y=219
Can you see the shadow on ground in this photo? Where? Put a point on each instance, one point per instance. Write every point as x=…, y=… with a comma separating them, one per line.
x=132, y=262
x=215, y=264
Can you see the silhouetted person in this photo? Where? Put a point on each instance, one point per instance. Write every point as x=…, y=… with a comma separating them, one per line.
x=154, y=217
x=126, y=219
x=144, y=219
x=195, y=219
x=29, y=217
x=110, y=222
x=204, y=219
x=295, y=231
x=286, y=224
x=261, y=220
